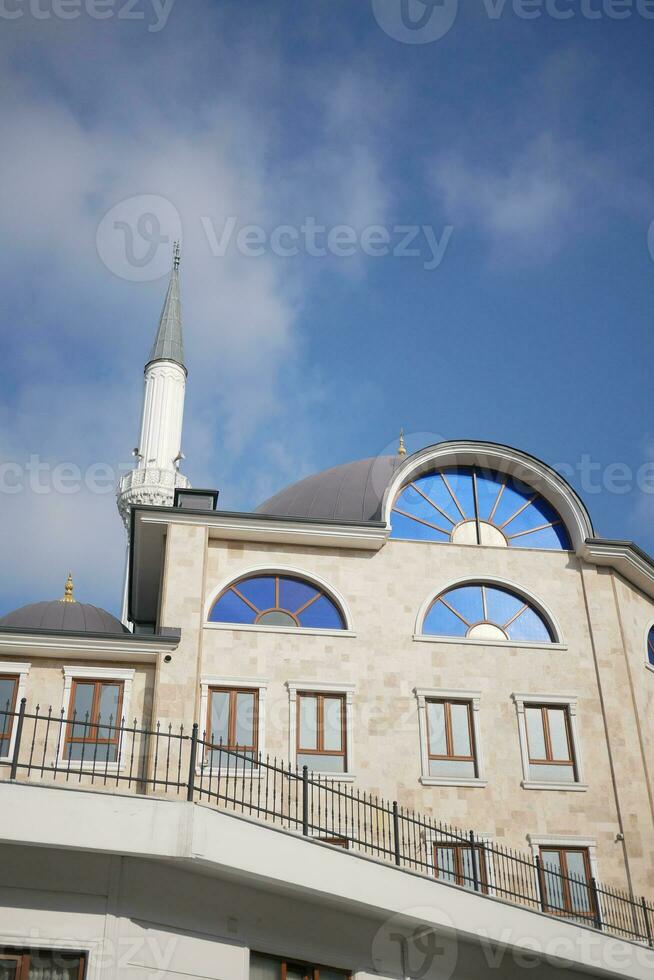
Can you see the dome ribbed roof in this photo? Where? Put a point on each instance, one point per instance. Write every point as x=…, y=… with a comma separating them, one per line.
x=350, y=492
x=62, y=617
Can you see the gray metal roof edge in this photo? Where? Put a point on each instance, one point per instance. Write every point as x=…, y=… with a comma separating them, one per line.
x=171, y=636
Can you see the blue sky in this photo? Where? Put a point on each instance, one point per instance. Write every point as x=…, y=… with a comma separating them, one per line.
x=525, y=146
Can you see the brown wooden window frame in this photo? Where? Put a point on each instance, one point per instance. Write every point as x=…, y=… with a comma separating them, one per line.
x=311, y=971
x=5, y=739
x=564, y=877
x=231, y=744
x=22, y=958
x=462, y=880
x=321, y=697
x=335, y=841
x=549, y=760
x=449, y=737
x=94, y=722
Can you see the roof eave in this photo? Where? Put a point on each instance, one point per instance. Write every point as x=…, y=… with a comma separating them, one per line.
x=627, y=558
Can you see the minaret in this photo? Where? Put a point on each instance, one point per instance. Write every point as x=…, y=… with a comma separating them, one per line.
x=159, y=454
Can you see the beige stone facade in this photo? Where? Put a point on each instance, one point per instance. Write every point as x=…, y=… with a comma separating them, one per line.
x=384, y=661
x=597, y=663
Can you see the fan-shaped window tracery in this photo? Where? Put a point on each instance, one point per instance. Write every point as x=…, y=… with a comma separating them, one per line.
x=468, y=505
x=485, y=612
x=277, y=600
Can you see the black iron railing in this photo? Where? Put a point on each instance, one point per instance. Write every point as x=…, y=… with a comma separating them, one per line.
x=167, y=760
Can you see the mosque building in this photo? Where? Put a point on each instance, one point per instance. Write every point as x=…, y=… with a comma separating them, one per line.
x=395, y=722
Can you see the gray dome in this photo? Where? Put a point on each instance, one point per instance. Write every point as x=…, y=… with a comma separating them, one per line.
x=63, y=617
x=350, y=492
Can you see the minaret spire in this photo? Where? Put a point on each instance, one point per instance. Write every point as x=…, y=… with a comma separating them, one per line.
x=169, y=344
x=159, y=452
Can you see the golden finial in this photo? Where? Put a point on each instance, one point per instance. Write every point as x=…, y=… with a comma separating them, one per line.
x=177, y=255
x=402, y=449
x=68, y=591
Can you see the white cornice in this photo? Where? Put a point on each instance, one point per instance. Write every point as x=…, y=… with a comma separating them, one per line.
x=252, y=527
x=625, y=558
x=126, y=650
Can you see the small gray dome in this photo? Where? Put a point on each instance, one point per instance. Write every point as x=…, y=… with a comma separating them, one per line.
x=62, y=617
x=350, y=492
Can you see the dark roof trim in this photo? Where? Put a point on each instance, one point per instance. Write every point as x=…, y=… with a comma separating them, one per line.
x=169, y=637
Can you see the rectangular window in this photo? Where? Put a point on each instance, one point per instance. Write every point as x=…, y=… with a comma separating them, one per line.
x=549, y=739
x=450, y=739
x=41, y=965
x=454, y=863
x=272, y=968
x=94, y=719
x=233, y=722
x=321, y=732
x=8, y=696
x=566, y=880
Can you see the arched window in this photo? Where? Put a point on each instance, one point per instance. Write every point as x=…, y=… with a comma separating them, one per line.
x=277, y=600
x=485, y=612
x=650, y=647
x=468, y=505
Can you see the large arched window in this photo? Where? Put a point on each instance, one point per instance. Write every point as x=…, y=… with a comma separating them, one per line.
x=483, y=611
x=277, y=600
x=650, y=647
x=468, y=505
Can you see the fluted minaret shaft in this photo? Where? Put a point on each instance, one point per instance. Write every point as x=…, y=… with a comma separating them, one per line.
x=159, y=452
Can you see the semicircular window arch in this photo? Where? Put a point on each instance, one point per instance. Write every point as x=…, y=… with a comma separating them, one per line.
x=471, y=505
x=485, y=611
x=650, y=647
x=277, y=600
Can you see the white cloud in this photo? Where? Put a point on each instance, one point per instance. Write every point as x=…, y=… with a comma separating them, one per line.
x=163, y=117
x=528, y=177
x=526, y=207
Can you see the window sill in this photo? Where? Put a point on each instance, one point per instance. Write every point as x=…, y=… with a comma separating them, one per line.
x=99, y=769
x=471, y=641
x=207, y=773
x=445, y=781
x=289, y=630
x=559, y=787
x=330, y=777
